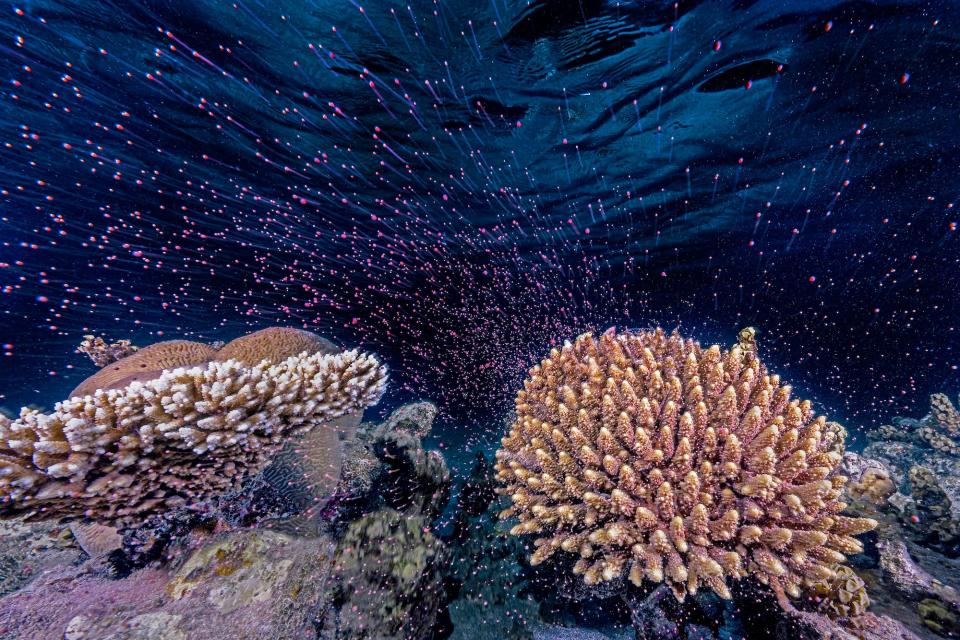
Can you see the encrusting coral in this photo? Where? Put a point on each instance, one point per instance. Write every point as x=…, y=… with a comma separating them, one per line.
x=644, y=453
x=118, y=455
x=875, y=486
x=842, y=596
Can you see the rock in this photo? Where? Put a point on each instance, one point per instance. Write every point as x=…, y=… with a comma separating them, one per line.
x=855, y=465
x=28, y=549
x=902, y=574
x=241, y=585
x=805, y=625
x=553, y=632
x=388, y=584
x=895, y=457
x=230, y=569
x=898, y=456
x=414, y=481
x=899, y=501
x=937, y=617
x=416, y=418
x=487, y=569
x=388, y=467
x=152, y=626
x=77, y=628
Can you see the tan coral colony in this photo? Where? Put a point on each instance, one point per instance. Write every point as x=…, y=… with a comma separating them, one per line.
x=641, y=453
x=118, y=455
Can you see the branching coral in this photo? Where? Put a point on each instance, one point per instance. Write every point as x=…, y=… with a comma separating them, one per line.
x=945, y=414
x=103, y=353
x=644, y=453
x=120, y=455
x=939, y=430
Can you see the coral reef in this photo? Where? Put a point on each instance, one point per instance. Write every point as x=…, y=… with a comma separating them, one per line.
x=388, y=467
x=413, y=480
x=27, y=549
x=389, y=586
x=118, y=456
x=875, y=486
x=103, y=353
x=416, y=418
x=645, y=454
x=939, y=430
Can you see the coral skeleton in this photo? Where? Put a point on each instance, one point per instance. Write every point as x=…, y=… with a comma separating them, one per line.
x=118, y=456
x=643, y=454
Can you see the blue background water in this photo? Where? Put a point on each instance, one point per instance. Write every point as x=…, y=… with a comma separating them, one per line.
x=458, y=184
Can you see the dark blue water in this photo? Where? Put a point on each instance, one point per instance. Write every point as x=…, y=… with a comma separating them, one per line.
x=459, y=185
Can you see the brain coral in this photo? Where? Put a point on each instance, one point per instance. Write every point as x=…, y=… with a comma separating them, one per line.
x=644, y=453
x=119, y=455
x=274, y=345
x=145, y=364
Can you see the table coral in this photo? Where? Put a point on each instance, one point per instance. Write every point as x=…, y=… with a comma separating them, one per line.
x=643, y=453
x=117, y=456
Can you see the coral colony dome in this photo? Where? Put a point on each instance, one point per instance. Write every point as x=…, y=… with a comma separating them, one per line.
x=499, y=320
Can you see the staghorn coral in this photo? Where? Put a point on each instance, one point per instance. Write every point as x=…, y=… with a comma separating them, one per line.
x=103, y=353
x=146, y=364
x=842, y=596
x=118, y=456
x=644, y=453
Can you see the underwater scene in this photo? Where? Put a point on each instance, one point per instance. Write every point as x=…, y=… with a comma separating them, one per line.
x=479, y=319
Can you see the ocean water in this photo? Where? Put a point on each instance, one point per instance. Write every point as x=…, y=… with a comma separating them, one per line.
x=459, y=187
